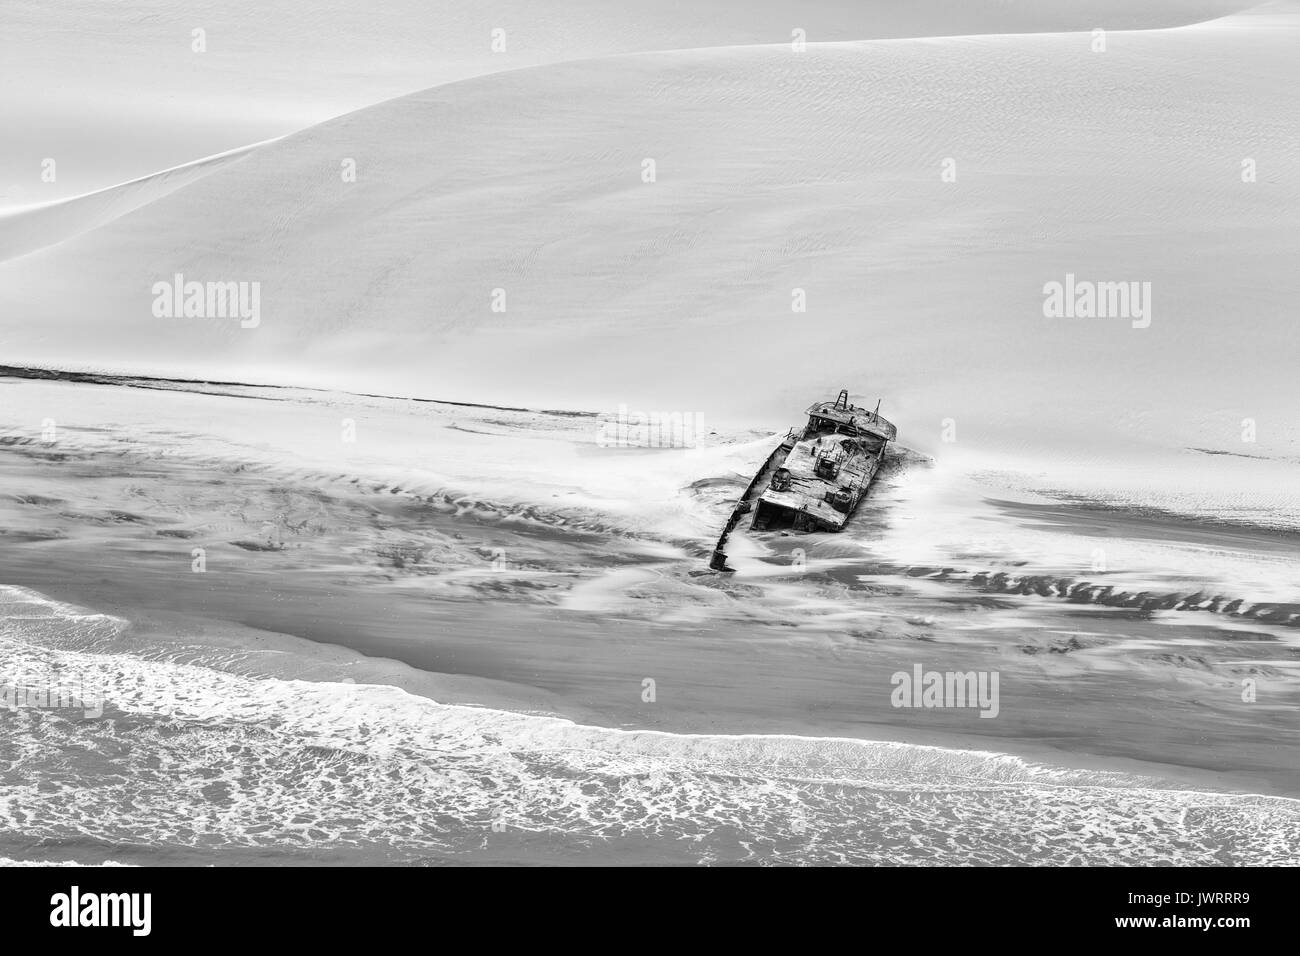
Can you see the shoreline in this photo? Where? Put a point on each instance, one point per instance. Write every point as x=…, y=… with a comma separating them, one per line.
x=325, y=662
x=363, y=579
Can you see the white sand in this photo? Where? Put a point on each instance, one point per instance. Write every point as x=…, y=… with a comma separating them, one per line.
x=115, y=94
x=775, y=171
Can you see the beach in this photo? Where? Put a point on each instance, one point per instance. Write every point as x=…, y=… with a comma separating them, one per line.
x=352, y=593
x=374, y=390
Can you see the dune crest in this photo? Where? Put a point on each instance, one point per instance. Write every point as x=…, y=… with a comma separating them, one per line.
x=115, y=111
x=29, y=228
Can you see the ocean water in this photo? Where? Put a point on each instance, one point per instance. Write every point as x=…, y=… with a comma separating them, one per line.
x=191, y=763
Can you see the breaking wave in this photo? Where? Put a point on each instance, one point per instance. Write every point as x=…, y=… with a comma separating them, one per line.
x=187, y=758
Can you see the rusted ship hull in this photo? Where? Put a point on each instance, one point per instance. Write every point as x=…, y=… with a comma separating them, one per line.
x=816, y=478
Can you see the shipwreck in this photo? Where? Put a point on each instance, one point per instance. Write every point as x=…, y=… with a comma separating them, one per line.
x=816, y=477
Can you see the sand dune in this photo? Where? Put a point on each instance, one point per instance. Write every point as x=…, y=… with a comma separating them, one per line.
x=280, y=597
x=774, y=171
x=113, y=95
x=29, y=228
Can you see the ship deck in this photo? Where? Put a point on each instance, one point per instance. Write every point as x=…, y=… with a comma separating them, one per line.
x=852, y=418
x=808, y=491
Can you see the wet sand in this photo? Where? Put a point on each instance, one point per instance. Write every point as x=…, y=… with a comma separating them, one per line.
x=333, y=581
